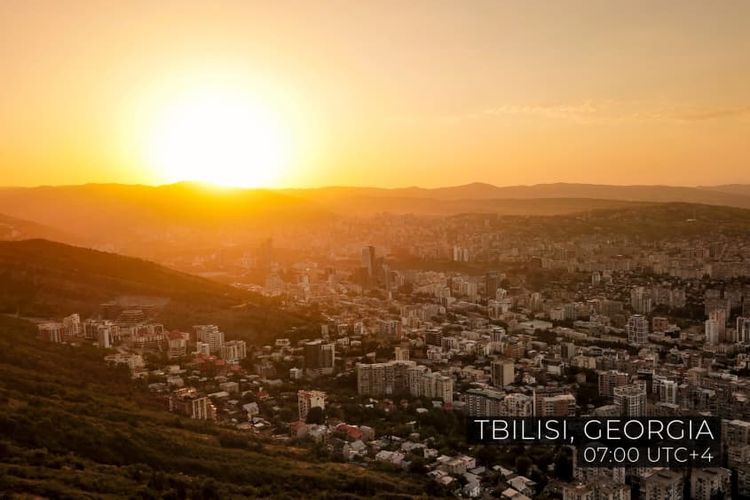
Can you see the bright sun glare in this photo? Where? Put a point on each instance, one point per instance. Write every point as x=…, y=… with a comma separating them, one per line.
x=218, y=136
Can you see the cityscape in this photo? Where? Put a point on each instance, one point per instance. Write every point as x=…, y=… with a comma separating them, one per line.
x=374, y=249
x=439, y=319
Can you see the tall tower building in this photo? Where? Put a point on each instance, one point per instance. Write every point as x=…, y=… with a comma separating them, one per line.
x=712, y=332
x=368, y=260
x=211, y=335
x=503, y=373
x=630, y=400
x=637, y=328
x=319, y=357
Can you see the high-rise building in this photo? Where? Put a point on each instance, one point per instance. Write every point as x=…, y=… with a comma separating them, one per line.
x=401, y=353
x=368, y=261
x=711, y=327
x=72, y=325
x=710, y=483
x=568, y=350
x=403, y=377
x=389, y=328
x=664, y=484
x=719, y=316
x=554, y=402
x=637, y=328
x=503, y=373
x=52, y=332
x=610, y=379
x=630, y=400
x=211, y=335
x=640, y=300
x=491, y=284
x=320, y=357
x=743, y=330
x=309, y=399
x=234, y=351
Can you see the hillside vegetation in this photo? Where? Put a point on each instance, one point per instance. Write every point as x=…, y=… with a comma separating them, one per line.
x=72, y=427
x=40, y=278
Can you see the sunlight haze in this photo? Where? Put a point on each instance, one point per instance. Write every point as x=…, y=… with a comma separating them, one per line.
x=427, y=93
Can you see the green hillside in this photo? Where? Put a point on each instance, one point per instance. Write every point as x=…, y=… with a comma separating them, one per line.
x=40, y=278
x=72, y=427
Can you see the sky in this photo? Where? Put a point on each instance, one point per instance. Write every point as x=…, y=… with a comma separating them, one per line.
x=375, y=93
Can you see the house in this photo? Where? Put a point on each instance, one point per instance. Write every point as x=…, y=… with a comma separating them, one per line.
x=523, y=485
x=251, y=409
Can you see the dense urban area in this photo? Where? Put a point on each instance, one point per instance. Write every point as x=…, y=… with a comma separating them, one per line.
x=418, y=322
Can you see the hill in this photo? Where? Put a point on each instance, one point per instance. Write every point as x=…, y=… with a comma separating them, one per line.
x=734, y=195
x=12, y=228
x=72, y=427
x=649, y=222
x=166, y=222
x=135, y=219
x=40, y=278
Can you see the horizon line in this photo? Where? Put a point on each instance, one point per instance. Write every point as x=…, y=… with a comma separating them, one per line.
x=208, y=185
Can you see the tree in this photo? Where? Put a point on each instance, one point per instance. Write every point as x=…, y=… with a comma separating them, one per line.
x=316, y=415
x=523, y=463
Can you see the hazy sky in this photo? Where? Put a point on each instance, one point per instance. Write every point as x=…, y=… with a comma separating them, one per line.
x=388, y=93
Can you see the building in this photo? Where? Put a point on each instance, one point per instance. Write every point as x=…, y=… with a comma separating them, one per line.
x=484, y=402
x=368, y=261
x=401, y=353
x=177, y=344
x=707, y=484
x=188, y=402
x=712, y=332
x=401, y=378
x=637, y=329
x=743, y=330
x=659, y=324
x=640, y=300
x=517, y=405
x=664, y=484
x=578, y=492
x=320, y=357
x=52, y=332
x=202, y=348
x=568, y=350
x=211, y=335
x=630, y=400
x=610, y=379
x=309, y=399
x=503, y=373
x=72, y=325
x=389, y=329
x=719, y=317
x=554, y=403
x=234, y=351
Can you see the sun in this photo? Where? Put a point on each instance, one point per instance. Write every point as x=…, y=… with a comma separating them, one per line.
x=218, y=136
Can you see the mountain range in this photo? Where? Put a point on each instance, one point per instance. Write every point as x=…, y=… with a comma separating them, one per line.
x=142, y=220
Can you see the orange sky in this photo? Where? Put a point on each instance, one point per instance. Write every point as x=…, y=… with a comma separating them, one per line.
x=388, y=93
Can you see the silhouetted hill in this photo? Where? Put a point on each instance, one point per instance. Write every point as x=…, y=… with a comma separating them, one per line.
x=651, y=222
x=12, y=228
x=72, y=427
x=164, y=221
x=136, y=218
x=735, y=195
x=40, y=278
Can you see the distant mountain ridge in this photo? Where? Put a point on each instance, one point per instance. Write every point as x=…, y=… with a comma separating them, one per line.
x=151, y=220
x=730, y=195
